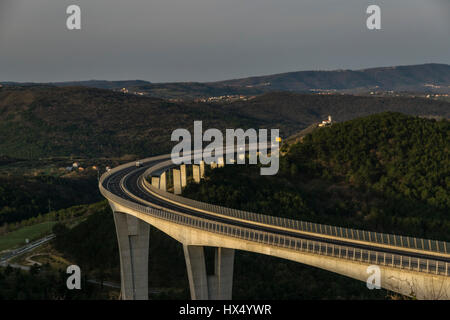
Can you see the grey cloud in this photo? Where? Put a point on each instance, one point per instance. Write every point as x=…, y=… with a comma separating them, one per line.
x=203, y=40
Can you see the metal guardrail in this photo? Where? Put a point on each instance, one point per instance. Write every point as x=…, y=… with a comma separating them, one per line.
x=303, y=226
x=308, y=246
x=292, y=243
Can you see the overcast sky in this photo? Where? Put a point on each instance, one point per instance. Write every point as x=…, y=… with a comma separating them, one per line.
x=206, y=40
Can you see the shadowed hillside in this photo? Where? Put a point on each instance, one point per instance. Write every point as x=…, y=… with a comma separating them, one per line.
x=290, y=109
x=44, y=121
x=50, y=121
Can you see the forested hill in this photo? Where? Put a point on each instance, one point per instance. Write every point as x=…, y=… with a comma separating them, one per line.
x=45, y=121
x=391, y=153
x=306, y=109
x=386, y=172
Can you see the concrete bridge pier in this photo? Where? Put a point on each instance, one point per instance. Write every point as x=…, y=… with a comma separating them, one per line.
x=155, y=182
x=196, y=173
x=220, y=285
x=163, y=181
x=214, y=287
x=202, y=169
x=133, y=239
x=220, y=162
x=196, y=270
x=176, y=181
x=183, y=175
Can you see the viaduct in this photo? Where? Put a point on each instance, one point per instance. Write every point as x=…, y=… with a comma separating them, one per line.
x=139, y=196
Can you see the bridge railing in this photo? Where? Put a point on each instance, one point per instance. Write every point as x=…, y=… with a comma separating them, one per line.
x=292, y=243
x=304, y=226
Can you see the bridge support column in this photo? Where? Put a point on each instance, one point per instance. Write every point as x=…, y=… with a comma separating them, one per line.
x=196, y=173
x=176, y=181
x=155, y=182
x=202, y=169
x=215, y=287
x=183, y=175
x=196, y=270
x=220, y=162
x=220, y=285
x=163, y=181
x=133, y=238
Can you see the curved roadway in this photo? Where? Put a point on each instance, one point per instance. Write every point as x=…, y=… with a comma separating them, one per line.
x=125, y=184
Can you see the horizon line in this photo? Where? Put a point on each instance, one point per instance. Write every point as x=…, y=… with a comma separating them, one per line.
x=233, y=79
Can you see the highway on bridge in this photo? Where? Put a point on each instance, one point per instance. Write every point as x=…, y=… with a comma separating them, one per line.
x=131, y=185
x=127, y=183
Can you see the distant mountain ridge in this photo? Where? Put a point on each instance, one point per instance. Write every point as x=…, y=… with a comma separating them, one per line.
x=388, y=78
x=425, y=78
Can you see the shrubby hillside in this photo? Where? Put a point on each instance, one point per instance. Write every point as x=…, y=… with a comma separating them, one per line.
x=22, y=198
x=48, y=121
x=45, y=121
